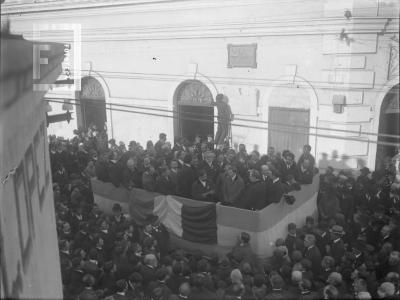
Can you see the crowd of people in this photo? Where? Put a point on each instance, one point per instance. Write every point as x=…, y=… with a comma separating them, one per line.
x=349, y=251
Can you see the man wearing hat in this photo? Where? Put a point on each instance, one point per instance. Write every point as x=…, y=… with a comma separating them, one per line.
x=118, y=219
x=122, y=287
x=154, y=230
x=242, y=252
x=202, y=188
x=293, y=241
x=209, y=165
x=363, y=178
x=337, y=248
x=185, y=177
x=312, y=253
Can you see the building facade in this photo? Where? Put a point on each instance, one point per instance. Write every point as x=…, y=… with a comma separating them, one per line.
x=323, y=73
x=30, y=263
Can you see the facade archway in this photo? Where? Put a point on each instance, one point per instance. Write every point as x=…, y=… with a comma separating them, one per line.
x=92, y=110
x=293, y=102
x=373, y=146
x=193, y=110
x=389, y=126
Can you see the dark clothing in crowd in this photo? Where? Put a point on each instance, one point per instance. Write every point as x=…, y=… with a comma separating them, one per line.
x=354, y=235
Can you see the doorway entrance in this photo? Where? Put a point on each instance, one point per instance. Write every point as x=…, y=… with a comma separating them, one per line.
x=288, y=129
x=92, y=105
x=194, y=111
x=389, y=127
x=196, y=120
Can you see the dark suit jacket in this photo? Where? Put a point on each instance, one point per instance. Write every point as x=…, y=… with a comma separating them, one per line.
x=161, y=234
x=148, y=274
x=185, y=178
x=287, y=173
x=303, y=157
x=314, y=255
x=275, y=191
x=305, y=177
x=294, y=243
x=131, y=178
x=212, y=171
x=198, y=190
x=322, y=240
x=102, y=169
x=255, y=196
x=232, y=190
x=282, y=294
x=201, y=294
x=165, y=186
x=337, y=250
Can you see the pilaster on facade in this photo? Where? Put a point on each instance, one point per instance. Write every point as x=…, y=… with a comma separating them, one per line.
x=350, y=63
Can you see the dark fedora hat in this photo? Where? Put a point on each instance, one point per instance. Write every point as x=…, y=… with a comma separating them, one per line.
x=337, y=229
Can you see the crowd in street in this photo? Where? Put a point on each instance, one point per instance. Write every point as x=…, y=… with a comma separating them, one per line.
x=351, y=250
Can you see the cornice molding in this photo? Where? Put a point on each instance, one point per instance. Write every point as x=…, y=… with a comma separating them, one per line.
x=255, y=82
x=229, y=30
x=88, y=7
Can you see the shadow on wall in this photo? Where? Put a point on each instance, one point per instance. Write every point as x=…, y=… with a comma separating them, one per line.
x=338, y=162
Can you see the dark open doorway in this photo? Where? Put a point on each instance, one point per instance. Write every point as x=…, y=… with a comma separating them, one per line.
x=92, y=104
x=389, y=127
x=196, y=120
x=194, y=112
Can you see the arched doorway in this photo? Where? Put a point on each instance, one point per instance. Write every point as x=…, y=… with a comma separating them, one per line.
x=92, y=104
x=389, y=127
x=194, y=111
x=289, y=118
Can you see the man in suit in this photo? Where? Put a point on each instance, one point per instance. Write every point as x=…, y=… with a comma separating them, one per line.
x=287, y=166
x=242, y=251
x=164, y=184
x=184, y=292
x=312, y=253
x=202, y=188
x=185, y=178
x=162, y=138
x=278, y=291
x=322, y=237
x=122, y=288
x=275, y=187
x=232, y=186
x=148, y=269
x=255, y=194
x=102, y=168
x=293, y=241
x=209, y=166
x=265, y=171
x=270, y=157
x=336, y=248
x=173, y=175
x=131, y=176
x=304, y=172
x=161, y=234
x=199, y=291
x=306, y=155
